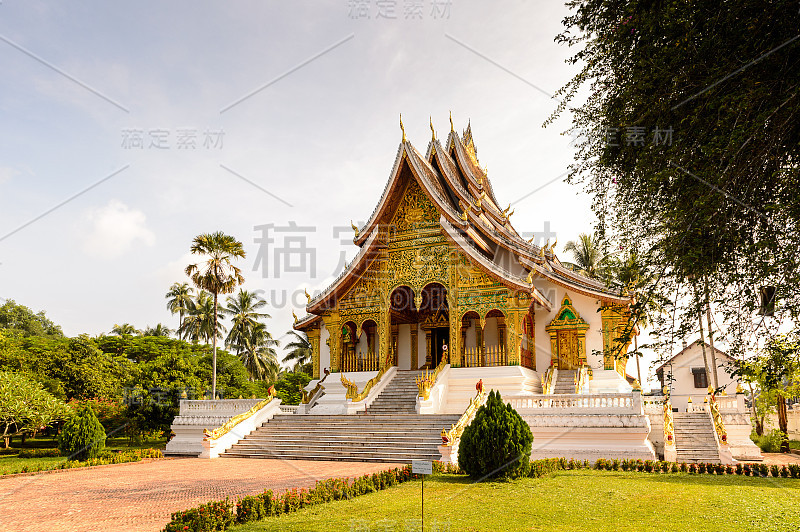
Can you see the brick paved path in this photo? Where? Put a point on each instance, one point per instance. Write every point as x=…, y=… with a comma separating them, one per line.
x=141, y=496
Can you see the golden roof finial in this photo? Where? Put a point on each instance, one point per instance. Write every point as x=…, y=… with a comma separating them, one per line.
x=308, y=296
x=509, y=214
x=294, y=316
x=553, y=247
x=354, y=228
x=452, y=129
x=530, y=241
x=529, y=280
x=433, y=133
x=402, y=128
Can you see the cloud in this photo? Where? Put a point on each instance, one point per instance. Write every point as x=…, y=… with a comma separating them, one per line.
x=114, y=230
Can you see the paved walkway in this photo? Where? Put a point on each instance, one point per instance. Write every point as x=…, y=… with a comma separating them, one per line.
x=141, y=496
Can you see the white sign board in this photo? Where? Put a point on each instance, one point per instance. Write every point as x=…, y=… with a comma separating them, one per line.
x=422, y=467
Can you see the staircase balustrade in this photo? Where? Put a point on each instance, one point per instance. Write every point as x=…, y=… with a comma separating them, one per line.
x=615, y=403
x=549, y=380
x=450, y=438
x=235, y=420
x=360, y=362
x=427, y=380
x=581, y=377
x=670, y=452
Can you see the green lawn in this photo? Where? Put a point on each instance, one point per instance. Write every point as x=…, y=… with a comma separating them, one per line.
x=584, y=500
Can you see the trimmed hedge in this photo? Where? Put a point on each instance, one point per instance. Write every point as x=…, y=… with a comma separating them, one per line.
x=82, y=437
x=38, y=453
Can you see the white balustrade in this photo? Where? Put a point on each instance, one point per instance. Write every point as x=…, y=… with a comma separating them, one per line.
x=220, y=407
x=607, y=403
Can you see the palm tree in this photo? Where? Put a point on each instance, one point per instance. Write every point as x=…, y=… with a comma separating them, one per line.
x=300, y=353
x=587, y=255
x=259, y=356
x=158, y=330
x=635, y=276
x=243, y=310
x=218, y=275
x=124, y=329
x=199, y=322
x=179, y=299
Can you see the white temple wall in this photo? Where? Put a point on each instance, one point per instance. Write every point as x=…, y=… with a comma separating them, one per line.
x=324, y=348
x=587, y=307
x=404, y=346
x=422, y=345
x=471, y=339
x=490, y=335
x=363, y=345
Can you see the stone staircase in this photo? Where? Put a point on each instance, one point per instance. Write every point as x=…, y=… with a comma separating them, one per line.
x=694, y=438
x=399, y=396
x=565, y=381
x=390, y=431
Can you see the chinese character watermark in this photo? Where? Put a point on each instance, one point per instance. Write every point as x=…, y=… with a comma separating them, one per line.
x=164, y=139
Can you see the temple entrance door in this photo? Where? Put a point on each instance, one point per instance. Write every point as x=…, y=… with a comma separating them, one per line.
x=440, y=338
x=568, y=357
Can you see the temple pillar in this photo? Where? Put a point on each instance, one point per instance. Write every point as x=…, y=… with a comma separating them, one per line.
x=428, y=348
x=313, y=339
x=479, y=340
x=334, y=327
x=414, y=346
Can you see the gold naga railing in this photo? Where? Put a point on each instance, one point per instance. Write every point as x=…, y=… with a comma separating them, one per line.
x=547, y=382
x=235, y=420
x=477, y=357
x=427, y=380
x=669, y=425
x=719, y=426
x=366, y=362
x=450, y=437
x=352, y=389
x=307, y=396
x=581, y=377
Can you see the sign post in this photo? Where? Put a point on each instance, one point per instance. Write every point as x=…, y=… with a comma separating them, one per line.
x=422, y=467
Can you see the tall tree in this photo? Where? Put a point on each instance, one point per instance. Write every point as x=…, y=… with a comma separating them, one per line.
x=179, y=300
x=259, y=355
x=300, y=351
x=198, y=324
x=19, y=319
x=587, y=254
x=243, y=309
x=690, y=138
x=217, y=275
x=124, y=329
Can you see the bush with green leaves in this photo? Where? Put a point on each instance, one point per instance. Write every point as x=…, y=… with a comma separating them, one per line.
x=497, y=443
x=82, y=436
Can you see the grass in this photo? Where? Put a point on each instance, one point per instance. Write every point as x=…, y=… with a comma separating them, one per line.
x=583, y=500
x=11, y=463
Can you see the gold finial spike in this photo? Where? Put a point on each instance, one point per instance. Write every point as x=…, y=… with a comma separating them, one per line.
x=452, y=129
x=402, y=128
x=554, y=245
x=541, y=251
x=530, y=241
x=433, y=132
x=529, y=280
x=308, y=296
x=546, y=244
x=509, y=214
x=294, y=316
x=354, y=228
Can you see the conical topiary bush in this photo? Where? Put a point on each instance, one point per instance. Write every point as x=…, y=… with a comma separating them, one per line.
x=82, y=436
x=497, y=443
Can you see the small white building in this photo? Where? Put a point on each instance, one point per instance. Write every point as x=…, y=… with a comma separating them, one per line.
x=689, y=376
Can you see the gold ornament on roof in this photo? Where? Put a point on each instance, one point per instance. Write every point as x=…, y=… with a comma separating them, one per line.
x=402, y=128
x=529, y=280
x=295, y=316
x=354, y=228
x=553, y=247
x=308, y=296
x=739, y=388
x=433, y=133
x=452, y=129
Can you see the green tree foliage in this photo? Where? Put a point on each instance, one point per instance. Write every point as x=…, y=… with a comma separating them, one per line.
x=690, y=142
x=588, y=256
x=18, y=320
x=497, y=443
x=776, y=373
x=300, y=352
x=69, y=368
x=198, y=324
x=289, y=387
x=158, y=330
x=249, y=337
x=25, y=407
x=179, y=300
x=126, y=329
x=82, y=436
x=217, y=275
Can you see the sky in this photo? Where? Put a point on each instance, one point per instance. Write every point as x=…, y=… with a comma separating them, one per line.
x=126, y=129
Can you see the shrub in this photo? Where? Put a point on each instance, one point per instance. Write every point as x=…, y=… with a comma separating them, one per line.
x=83, y=436
x=675, y=468
x=794, y=469
x=770, y=442
x=540, y=468
x=497, y=443
x=217, y=515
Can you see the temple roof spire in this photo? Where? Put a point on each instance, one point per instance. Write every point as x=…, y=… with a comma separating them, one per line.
x=402, y=128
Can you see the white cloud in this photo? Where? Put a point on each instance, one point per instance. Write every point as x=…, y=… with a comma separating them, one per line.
x=114, y=230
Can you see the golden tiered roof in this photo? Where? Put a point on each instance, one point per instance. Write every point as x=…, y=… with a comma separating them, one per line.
x=470, y=217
